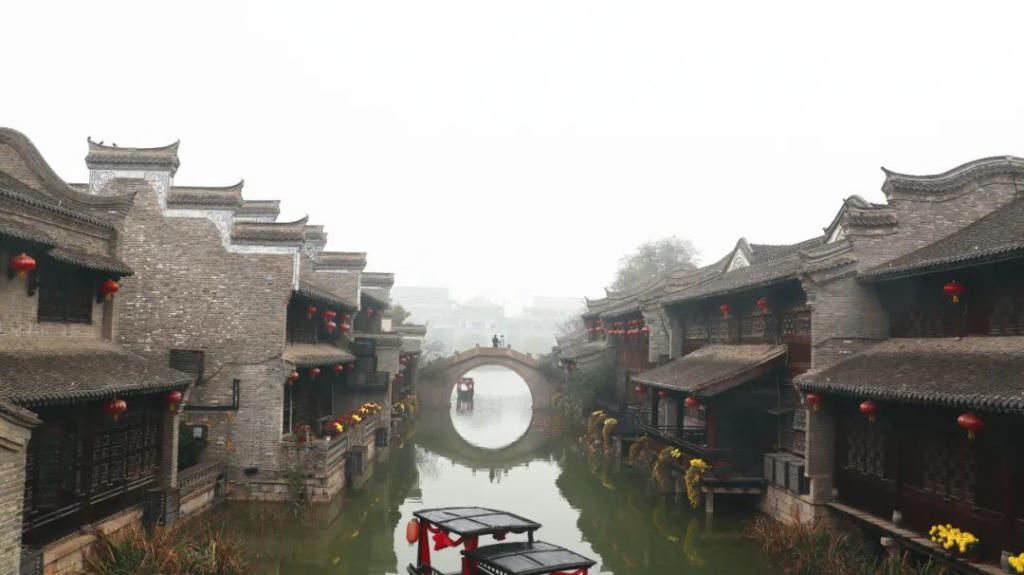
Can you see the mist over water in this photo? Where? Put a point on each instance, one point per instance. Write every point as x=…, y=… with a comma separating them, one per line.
x=500, y=412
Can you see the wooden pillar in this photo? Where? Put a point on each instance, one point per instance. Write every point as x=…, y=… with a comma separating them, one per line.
x=654, y=408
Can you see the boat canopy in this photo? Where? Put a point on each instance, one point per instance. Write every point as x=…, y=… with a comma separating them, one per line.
x=476, y=521
x=538, y=558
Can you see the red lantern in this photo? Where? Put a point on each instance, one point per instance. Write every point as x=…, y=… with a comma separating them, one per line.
x=345, y=317
x=293, y=377
x=369, y=312
x=115, y=408
x=403, y=360
x=314, y=372
x=329, y=314
x=954, y=289
x=412, y=531
x=814, y=400
x=311, y=311
x=331, y=326
x=639, y=390
x=762, y=304
x=646, y=330
x=869, y=408
x=338, y=368
x=173, y=399
x=22, y=264
x=109, y=288
x=345, y=328
x=724, y=308
x=971, y=422
x=662, y=394
x=692, y=402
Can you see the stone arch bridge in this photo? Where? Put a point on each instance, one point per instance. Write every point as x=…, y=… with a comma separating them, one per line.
x=437, y=393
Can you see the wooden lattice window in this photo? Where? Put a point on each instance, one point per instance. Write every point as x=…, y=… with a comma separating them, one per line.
x=949, y=468
x=127, y=450
x=66, y=293
x=865, y=447
x=797, y=323
x=697, y=331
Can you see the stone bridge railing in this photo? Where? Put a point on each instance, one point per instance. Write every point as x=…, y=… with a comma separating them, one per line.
x=493, y=352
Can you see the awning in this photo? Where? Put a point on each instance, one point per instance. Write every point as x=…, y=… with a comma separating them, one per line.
x=43, y=371
x=101, y=263
x=715, y=368
x=524, y=558
x=981, y=373
x=309, y=354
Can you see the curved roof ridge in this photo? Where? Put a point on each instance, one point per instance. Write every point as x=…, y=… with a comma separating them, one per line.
x=952, y=178
x=98, y=146
x=98, y=209
x=237, y=186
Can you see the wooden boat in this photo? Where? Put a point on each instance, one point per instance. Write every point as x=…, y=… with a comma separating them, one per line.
x=469, y=524
x=465, y=389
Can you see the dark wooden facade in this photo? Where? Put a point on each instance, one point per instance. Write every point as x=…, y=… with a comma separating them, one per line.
x=916, y=460
x=82, y=466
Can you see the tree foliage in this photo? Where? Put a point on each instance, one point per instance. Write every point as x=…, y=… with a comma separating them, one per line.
x=653, y=258
x=398, y=315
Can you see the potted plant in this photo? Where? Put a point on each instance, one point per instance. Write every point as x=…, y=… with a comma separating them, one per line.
x=1014, y=563
x=955, y=541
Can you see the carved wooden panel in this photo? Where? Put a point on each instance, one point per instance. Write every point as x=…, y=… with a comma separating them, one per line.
x=865, y=447
x=949, y=468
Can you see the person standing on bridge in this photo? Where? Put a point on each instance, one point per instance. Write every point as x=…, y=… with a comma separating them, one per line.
x=502, y=340
x=494, y=340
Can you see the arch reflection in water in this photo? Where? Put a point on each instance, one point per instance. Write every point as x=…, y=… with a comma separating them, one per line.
x=500, y=411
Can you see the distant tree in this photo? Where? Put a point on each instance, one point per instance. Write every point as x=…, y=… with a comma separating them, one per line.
x=398, y=315
x=569, y=326
x=652, y=259
x=432, y=350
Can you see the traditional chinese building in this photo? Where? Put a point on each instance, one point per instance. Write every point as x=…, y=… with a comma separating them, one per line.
x=918, y=404
x=105, y=431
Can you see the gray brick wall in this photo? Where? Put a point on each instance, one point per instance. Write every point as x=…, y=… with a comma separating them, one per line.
x=189, y=292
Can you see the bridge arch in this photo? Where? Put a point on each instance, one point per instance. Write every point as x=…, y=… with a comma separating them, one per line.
x=438, y=393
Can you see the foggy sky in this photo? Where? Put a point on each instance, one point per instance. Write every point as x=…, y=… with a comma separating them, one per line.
x=516, y=148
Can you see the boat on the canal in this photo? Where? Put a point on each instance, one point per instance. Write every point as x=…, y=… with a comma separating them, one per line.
x=465, y=389
x=453, y=527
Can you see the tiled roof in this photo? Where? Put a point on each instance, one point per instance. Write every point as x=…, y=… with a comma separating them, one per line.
x=309, y=354
x=223, y=197
x=318, y=292
x=18, y=414
x=714, y=368
x=21, y=231
x=98, y=262
x=341, y=260
x=39, y=371
x=376, y=297
x=583, y=350
x=997, y=235
x=103, y=156
x=981, y=373
x=289, y=233
x=769, y=264
x=254, y=208
x=378, y=279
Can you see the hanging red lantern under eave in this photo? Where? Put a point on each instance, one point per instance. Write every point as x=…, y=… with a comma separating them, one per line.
x=338, y=368
x=814, y=400
x=971, y=422
x=293, y=377
x=115, y=408
x=345, y=328
x=370, y=311
x=954, y=290
x=639, y=390
x=331, y=326
x=724, y=308
x=173, y=399
x=692, y=402
x=762, y=304
x=662, y=394
x=311, y=311
x=314, y=372
x=21, y=264
x=109, y=288
x=329, y=314
x=870, y=409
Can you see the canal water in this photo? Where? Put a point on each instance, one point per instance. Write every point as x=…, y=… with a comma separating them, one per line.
x=609, y=514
